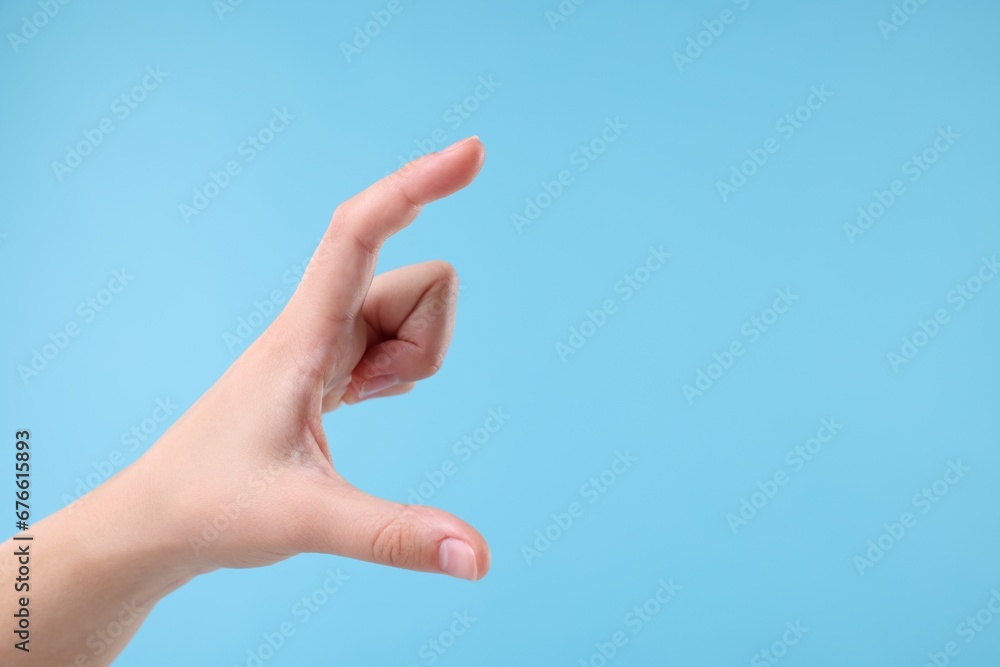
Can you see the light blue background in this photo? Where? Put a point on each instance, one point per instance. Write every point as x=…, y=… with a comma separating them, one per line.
x=656, y=185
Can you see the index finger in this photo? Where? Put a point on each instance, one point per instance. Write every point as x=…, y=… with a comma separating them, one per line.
x=336, y=282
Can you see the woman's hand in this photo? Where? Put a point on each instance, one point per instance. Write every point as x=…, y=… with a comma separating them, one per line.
x=245, y=477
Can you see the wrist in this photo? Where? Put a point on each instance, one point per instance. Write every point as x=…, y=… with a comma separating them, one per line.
x=122, y=529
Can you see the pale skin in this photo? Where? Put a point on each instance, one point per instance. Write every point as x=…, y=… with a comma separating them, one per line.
x=245, y=477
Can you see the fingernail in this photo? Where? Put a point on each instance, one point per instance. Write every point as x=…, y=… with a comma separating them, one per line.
x=458, y=559
x=457, y=144
x=376, y=384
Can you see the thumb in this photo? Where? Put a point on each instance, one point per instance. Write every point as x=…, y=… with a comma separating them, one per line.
x=352, y=523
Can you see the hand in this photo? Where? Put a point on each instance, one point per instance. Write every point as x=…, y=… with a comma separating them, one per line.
x=245, y=477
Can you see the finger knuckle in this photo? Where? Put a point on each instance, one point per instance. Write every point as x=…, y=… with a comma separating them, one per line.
x=413, y=205
x=396, y=542
x=345, y=227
